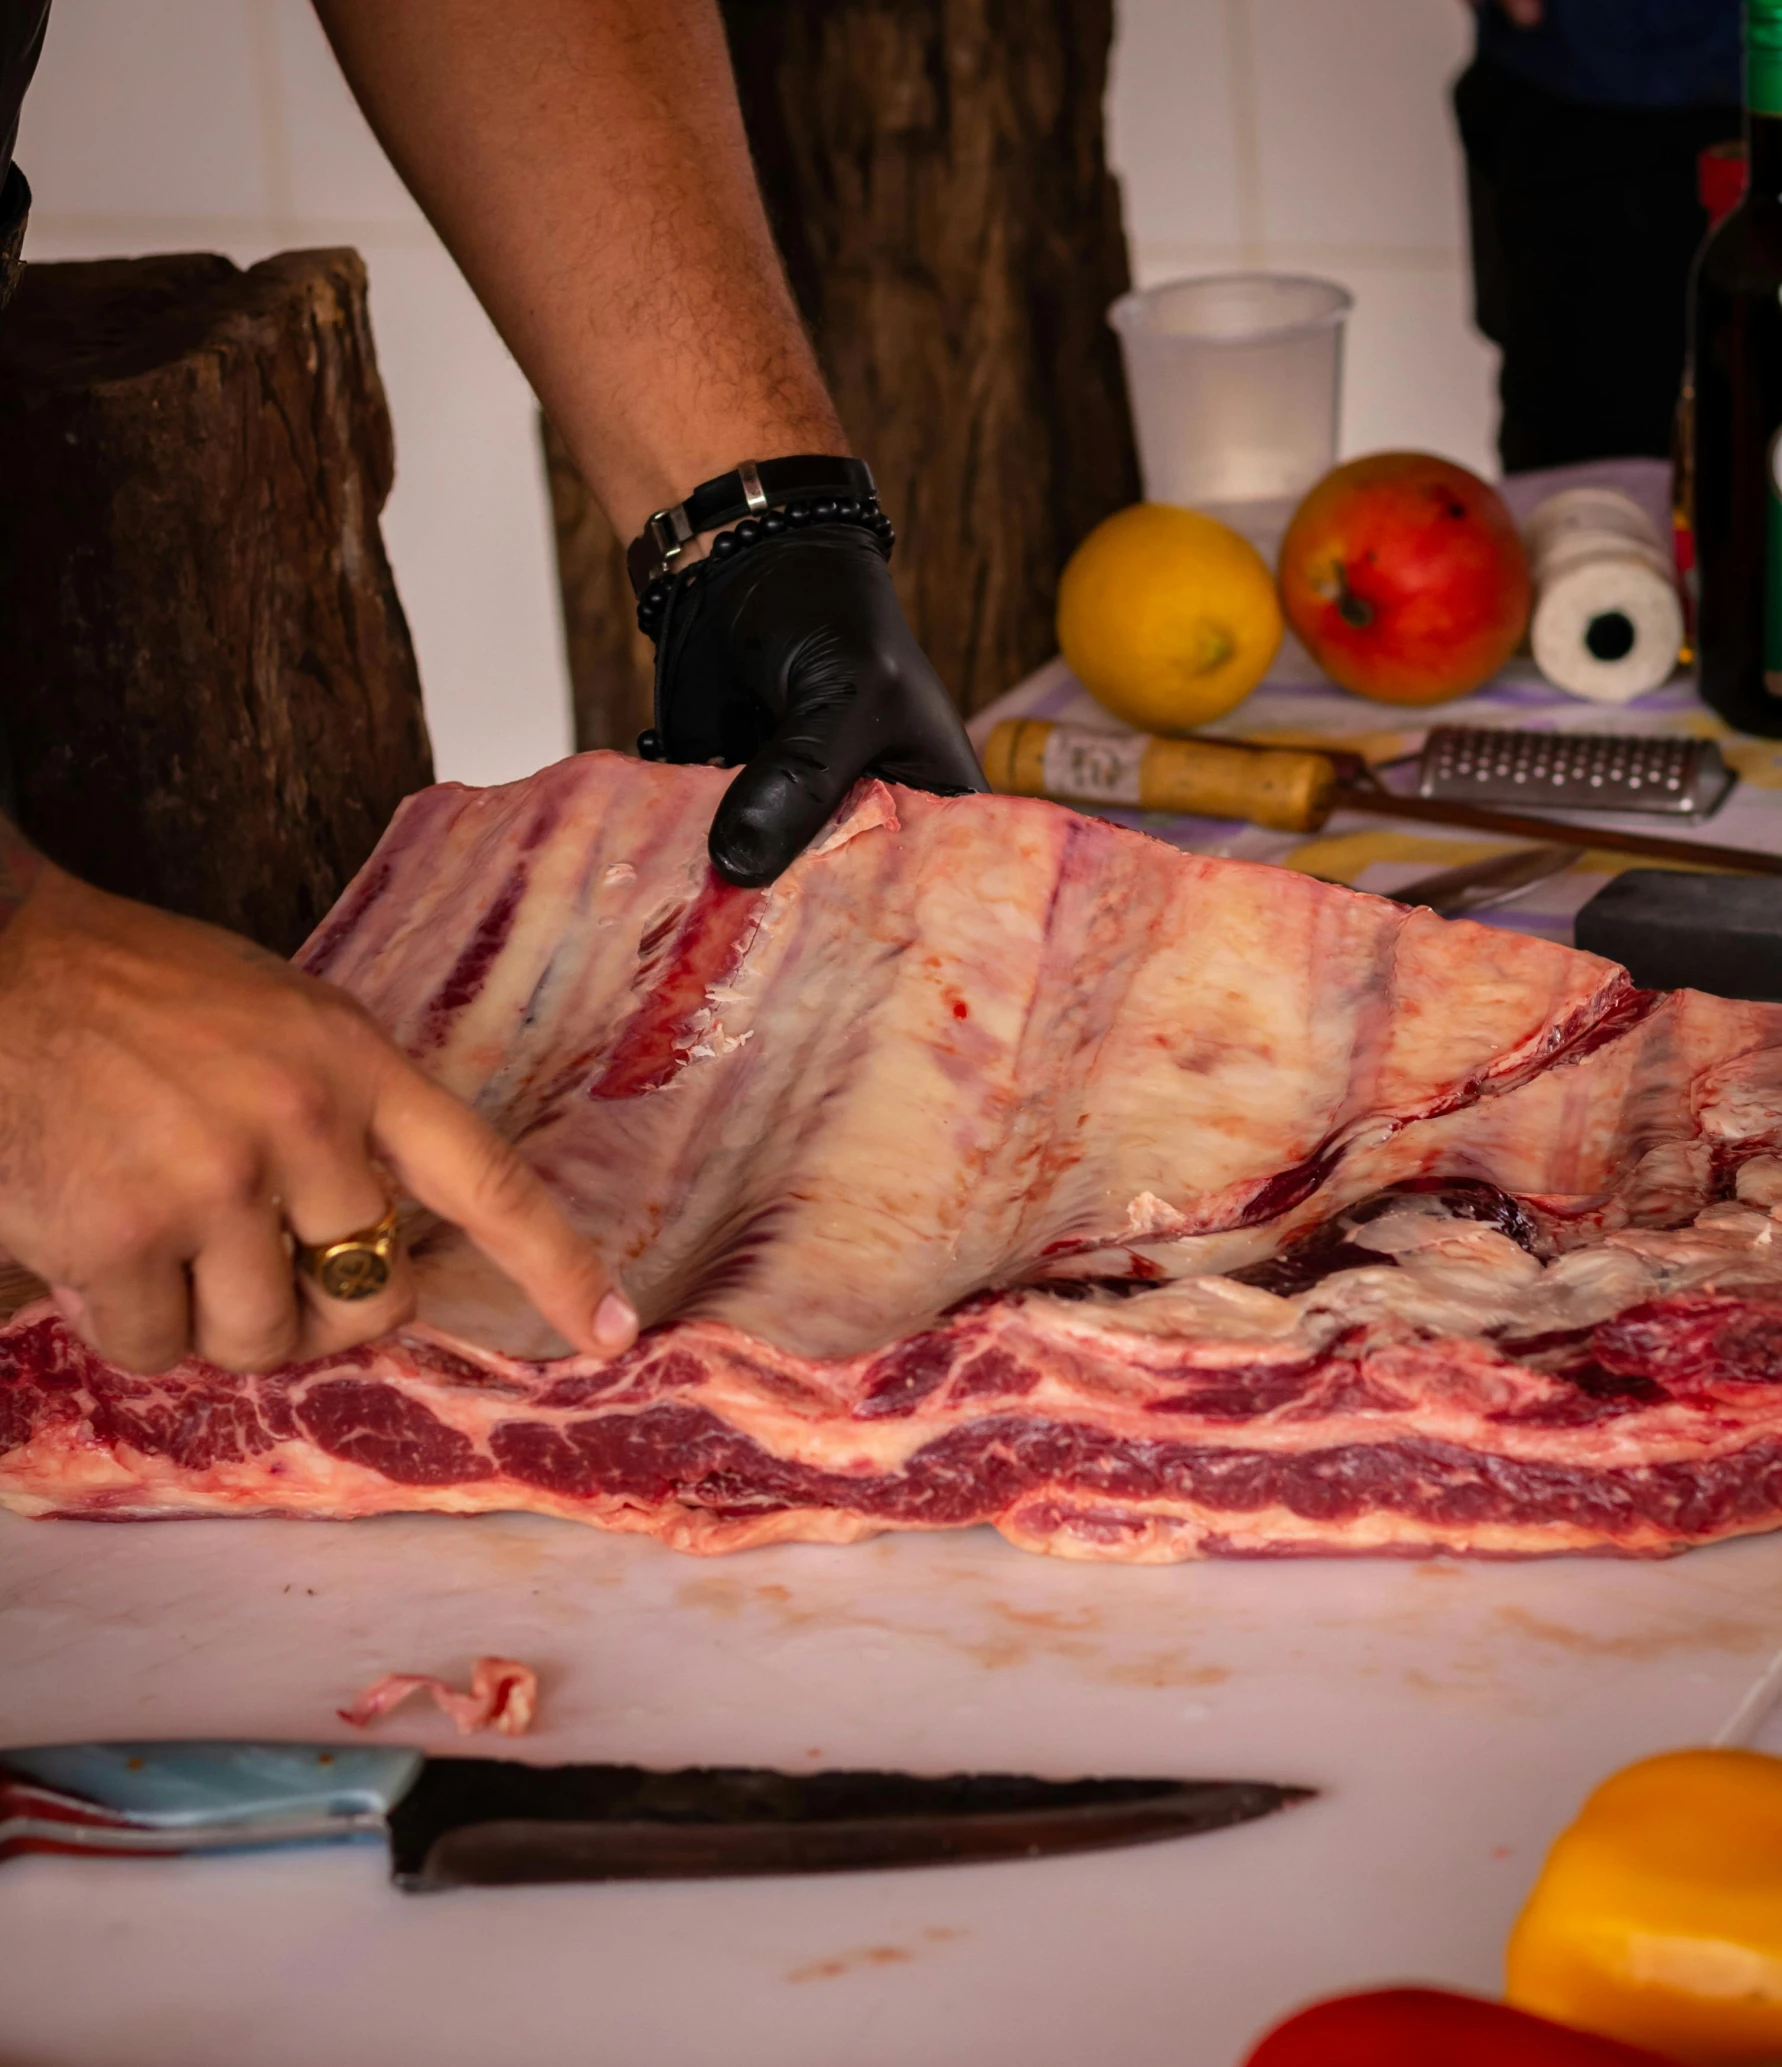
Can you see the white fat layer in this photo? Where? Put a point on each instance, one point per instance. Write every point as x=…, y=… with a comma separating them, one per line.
x=1450, y=1277
x=1760, y=1181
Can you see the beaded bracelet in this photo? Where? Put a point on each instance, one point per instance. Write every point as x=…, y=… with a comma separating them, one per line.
x=798, y=516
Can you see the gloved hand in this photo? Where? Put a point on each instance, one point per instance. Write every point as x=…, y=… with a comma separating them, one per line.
x=794, y=657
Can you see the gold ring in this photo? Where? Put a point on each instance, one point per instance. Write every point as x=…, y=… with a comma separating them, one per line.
x=357, y=1266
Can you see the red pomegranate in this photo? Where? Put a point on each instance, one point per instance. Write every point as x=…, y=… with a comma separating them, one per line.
x=1405, y=578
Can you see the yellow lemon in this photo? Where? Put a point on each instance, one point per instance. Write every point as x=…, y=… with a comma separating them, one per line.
x=1167, y=617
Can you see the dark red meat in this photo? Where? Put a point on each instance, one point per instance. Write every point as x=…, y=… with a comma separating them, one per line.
x=999, y=1166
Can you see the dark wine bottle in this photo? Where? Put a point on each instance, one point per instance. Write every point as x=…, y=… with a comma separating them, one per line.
x=1736, y=350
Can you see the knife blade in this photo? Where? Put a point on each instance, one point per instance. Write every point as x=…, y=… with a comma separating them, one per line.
x=1477, y=885
x=487, y=1822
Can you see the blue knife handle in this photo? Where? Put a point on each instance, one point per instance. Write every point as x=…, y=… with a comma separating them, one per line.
x=191, y=1796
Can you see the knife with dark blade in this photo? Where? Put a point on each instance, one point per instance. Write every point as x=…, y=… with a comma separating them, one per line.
x=1478, y=885
x=489, y=1822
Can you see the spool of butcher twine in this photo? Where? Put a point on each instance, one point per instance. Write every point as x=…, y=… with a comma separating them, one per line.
x=1273, y=786
x=1607, y=621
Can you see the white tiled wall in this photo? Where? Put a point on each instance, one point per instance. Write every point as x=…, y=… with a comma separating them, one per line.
x=1310, y=134
x=1315, y=136
x=224, y=125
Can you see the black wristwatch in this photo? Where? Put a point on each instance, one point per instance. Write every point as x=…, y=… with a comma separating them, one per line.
x=750, y=490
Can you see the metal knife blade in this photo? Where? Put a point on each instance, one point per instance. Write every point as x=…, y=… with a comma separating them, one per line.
x=1476, y=885
x=489, y=1822
x=459, y=1822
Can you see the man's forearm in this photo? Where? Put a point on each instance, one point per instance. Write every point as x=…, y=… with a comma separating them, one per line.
x=585, y=161
x=20, y=866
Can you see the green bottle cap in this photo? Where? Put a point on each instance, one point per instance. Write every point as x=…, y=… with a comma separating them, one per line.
x=1763, y=56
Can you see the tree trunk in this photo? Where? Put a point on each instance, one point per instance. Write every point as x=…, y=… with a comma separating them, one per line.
x=208, y=690
x=611, y=663
x=935, y=174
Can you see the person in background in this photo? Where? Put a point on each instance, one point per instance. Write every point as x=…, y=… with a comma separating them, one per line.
x=1582, y=121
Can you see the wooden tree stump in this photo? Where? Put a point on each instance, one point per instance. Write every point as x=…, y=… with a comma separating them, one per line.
x=209, y=691
x=611, y=663
x=936, y=176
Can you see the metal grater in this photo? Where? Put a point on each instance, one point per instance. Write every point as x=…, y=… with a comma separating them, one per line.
x=1573, y=771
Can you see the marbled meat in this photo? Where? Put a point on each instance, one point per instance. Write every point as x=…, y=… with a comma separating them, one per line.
x=1001, y=1165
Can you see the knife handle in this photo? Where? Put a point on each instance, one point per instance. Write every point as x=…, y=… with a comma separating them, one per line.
x=42, y=1819
x=161, y=1800
x=1281, y=787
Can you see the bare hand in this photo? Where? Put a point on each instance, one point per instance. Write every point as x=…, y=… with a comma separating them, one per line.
x=173, y=1100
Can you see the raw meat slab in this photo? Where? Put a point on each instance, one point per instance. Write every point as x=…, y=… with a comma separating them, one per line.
x=1001, y=1165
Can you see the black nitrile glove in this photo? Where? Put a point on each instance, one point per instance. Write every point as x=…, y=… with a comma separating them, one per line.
x=795, y=657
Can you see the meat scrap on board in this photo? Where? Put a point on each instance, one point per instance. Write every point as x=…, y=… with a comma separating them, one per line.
x=1000, y=1165
x=502, y=1696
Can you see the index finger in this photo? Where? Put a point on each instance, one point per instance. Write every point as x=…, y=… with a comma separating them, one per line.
x=460, y=1168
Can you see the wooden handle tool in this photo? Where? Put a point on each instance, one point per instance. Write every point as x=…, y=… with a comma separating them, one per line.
x=1274, y=786
x=1288, y=789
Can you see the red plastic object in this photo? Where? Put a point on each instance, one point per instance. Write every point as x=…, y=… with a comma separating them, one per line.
x=1721, y=176
x=1429, y=2027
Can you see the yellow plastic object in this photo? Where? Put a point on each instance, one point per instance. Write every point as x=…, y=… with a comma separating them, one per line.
x=1167, y=616
x=1658, y=1916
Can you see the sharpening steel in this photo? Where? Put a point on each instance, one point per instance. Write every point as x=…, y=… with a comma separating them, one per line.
x=1290, y=789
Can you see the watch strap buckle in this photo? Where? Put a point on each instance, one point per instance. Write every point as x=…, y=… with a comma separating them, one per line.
x=668, y=532
x=748, y=490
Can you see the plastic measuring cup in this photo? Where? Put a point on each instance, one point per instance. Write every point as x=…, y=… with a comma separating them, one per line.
x=1235, y=383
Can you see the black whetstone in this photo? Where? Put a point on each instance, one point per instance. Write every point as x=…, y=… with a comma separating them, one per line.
x=205, y=675
x=1673, y=931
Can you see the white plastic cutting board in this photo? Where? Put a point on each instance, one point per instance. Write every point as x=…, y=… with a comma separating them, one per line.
x=1454, y=1714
